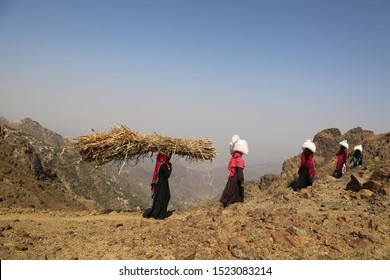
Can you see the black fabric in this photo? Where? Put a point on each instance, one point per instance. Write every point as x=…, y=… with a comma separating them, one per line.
x=307, y=153
x=357, y=158
x=303, y=179
x=234, y=191
x=161, y=196
x=338, y=173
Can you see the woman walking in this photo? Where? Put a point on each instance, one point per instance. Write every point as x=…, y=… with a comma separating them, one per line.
x=234, y=190
x=160, y=189
x=357, y=157
x=341, y=154
x=306, y=170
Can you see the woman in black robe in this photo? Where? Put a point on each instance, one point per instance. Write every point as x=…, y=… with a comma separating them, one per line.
x=234, y=190
x=160, y=189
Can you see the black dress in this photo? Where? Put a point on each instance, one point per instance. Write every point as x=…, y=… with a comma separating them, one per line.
x=303, y=179
x=357, y=158
x=234, y=191
x=161, y=195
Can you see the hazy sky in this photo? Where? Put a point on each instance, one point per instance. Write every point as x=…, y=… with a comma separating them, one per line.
x=274, y=72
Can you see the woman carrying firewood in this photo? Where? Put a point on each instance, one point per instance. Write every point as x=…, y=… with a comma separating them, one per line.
x=234, y=190
x=160, y=189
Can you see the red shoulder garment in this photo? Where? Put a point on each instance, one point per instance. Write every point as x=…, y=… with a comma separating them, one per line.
x=235, y=161
x=309, y=163
x=161, y=158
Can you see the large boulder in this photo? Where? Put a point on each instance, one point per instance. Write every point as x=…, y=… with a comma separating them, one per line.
x=327, y=142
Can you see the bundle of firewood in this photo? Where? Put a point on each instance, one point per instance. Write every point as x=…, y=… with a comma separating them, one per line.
x=121, y=144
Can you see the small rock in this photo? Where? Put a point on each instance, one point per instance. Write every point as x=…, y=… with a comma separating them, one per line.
x=356, y=184
x=380, y=175
x=3, y=248
x=296, y=241
x=184, y=254
x=373, y=186
x=385, y=191
x=306, y=194
x=364, y=194
x=237, y=246
x=361, y=243
x=298, y=231
x=344, y=219
x=21, y=248
x=281, y=237
x=212, y=227
x=112, y=242
x=236, y=242
x=7, y=227
x=383, y=228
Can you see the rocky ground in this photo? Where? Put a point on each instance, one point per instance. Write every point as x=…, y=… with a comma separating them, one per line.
x=325, y=221
x=337, y=219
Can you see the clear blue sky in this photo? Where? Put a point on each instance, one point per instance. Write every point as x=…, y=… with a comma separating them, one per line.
x=274, y=72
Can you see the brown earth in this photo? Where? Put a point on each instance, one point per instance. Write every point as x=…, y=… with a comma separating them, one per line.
x=321, y=222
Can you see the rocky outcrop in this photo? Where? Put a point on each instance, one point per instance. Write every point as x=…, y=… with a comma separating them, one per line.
x=376, y=152
x=36, y=175
x=34, y=129
x=327, y=142
x=36, y=167
x=376, y=181
x=266, y=181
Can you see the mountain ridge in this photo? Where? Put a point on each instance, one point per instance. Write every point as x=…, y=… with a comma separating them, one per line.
x=46, y=155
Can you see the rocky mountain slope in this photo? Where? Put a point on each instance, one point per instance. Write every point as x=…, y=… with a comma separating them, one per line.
x=346, y=218
x=39, y=170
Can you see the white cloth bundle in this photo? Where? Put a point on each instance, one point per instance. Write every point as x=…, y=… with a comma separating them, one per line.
x=238, y=145
x=344, y=143
x=309, y=144
x=358, y=147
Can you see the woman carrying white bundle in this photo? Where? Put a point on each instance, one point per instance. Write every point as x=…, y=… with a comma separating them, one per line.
x=357, y=157
x=341, y=154
x=234, y=190
x=306, y=170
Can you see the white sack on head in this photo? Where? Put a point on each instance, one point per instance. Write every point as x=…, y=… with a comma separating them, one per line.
x=238, y=145
x=358, y=147
x=344, y=143
x=235, y=138
x=309, y=144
